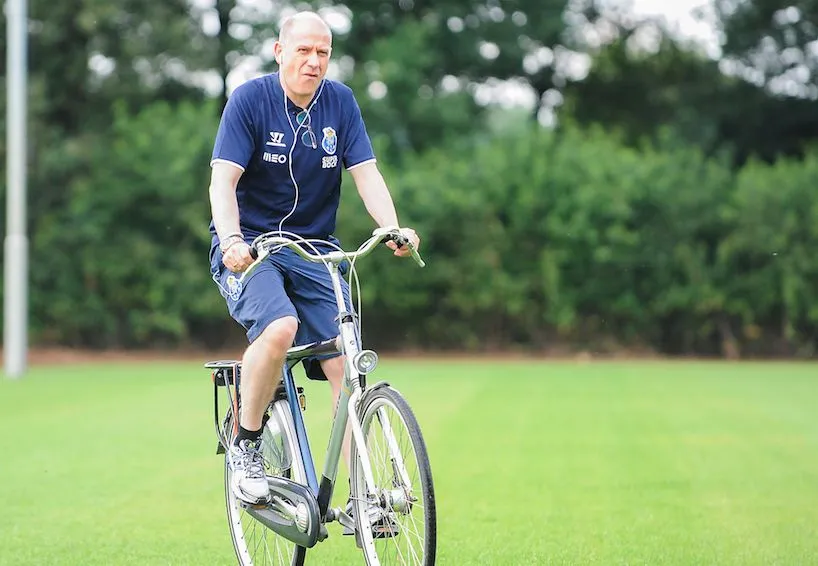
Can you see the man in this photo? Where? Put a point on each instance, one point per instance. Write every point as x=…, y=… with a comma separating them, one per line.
x=276, y=165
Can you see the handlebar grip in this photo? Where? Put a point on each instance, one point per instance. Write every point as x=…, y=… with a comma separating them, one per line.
x=253, y=252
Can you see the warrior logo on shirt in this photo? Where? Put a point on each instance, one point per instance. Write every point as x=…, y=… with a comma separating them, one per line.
x=330, y=141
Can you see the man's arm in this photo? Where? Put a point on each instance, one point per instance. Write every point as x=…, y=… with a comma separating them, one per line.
x=224, y=178
x=375, y=195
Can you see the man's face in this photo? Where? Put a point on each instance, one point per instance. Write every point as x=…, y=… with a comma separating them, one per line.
x=303, y=56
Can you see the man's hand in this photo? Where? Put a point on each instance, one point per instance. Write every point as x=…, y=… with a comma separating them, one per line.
x=237, y=257
x=410, y=235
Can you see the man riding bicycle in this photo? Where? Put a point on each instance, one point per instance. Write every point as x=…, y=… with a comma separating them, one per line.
x=276, y=165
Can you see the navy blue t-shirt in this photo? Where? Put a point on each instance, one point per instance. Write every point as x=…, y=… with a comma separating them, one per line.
x=287, y=183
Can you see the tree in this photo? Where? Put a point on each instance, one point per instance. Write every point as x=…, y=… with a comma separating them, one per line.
x=676, y=92
x=772, y=42
x=416, y=64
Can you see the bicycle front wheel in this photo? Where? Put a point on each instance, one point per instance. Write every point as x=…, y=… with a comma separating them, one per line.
x=397, y=523
x=253, y=542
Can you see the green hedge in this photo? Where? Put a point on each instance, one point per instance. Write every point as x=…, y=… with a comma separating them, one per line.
x=533, y=239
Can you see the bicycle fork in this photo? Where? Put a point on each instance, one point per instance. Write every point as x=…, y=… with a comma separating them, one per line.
x=357, y=364
x=350, y=395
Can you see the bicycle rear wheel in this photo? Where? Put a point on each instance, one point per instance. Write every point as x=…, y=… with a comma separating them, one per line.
x=253, y=542
x=397, y=523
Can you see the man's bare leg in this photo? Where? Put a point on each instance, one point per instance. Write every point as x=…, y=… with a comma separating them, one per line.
x=261, y=369
x=261, y=372
x=334, y=370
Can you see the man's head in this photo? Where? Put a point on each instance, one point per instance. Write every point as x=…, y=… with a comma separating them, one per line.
x=302, y=53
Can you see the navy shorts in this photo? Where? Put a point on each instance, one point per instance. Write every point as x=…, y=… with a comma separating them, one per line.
x=284, y=284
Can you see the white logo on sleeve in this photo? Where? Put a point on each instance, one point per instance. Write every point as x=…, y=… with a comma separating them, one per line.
x=277, y=139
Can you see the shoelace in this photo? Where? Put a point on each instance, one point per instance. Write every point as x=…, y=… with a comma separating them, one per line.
x=251, y=460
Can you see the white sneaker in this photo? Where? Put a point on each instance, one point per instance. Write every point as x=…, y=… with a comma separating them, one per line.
x=249, y=482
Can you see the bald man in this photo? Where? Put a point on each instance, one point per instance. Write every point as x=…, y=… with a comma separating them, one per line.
x=276, y=165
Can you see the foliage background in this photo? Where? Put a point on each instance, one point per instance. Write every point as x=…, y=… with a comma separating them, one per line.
x=645, y=195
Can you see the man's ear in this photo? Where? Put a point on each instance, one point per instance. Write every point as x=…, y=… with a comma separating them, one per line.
x=278, y=52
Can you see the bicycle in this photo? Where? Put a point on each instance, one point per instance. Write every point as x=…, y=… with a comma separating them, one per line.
x=383, y=502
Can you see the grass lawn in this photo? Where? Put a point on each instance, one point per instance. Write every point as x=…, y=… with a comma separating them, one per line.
x=606, y=463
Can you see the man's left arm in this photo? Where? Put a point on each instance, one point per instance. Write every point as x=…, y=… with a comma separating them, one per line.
x=378, y=202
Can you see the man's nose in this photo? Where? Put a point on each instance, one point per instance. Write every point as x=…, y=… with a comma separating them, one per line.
x=313, y=60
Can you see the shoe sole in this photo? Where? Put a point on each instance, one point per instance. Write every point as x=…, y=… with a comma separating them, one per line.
x=247, y=498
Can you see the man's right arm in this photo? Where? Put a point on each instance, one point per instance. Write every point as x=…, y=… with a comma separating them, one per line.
x=224, y=178
x=232, y=151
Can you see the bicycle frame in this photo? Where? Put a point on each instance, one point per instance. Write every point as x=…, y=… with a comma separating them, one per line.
x=348, y=344
x=351, y=390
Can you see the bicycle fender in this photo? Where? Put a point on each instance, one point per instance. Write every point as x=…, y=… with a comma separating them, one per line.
x=371, y=390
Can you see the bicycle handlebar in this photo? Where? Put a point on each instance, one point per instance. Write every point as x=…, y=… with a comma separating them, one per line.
x=266, y=243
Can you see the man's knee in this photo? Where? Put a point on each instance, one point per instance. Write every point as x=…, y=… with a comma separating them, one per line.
x=278, y=336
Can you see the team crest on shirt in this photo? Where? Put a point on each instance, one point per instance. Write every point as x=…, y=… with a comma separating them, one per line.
x=330, y=141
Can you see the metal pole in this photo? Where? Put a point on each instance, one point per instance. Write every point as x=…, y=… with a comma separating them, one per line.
x=15, y=276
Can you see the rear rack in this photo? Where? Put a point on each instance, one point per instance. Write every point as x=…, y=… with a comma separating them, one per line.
x=228, y=372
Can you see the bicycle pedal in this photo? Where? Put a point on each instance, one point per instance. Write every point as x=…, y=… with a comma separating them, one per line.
x=258, y=505
x=346, y=520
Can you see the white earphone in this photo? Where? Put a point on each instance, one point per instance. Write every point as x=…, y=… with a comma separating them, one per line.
x=295, y=131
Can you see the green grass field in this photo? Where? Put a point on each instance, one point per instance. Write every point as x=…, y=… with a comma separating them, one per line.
x=534, y=463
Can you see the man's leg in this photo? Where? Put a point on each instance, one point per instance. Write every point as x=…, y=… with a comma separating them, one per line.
x=260, y=375
x=263, y=308
x=333, y=368
x=261, y=370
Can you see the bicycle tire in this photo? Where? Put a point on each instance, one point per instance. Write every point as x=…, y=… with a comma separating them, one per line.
x=378, y=549
x=286, y=552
